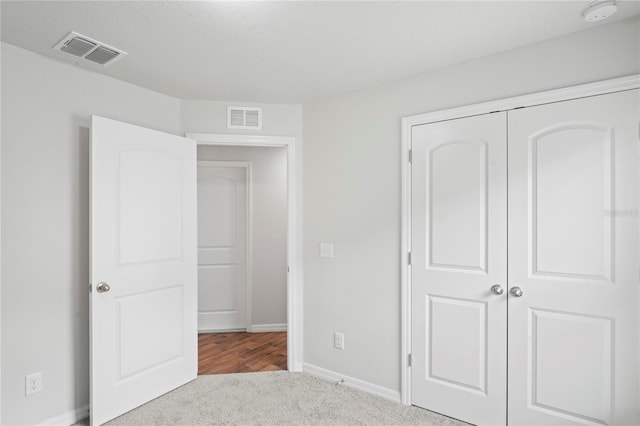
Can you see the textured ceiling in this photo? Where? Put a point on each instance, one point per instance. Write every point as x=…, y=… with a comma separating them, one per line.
x=288, y=51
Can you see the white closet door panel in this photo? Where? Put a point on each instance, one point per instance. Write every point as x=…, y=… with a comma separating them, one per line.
x=573, y=249
x=458, y=254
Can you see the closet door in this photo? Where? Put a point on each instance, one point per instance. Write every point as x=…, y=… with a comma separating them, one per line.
x=458, y=254
x=573, y=254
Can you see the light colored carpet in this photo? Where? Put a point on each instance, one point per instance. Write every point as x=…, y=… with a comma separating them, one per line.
x=274, y=398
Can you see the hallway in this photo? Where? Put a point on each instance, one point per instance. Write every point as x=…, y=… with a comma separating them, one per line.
x=222, y=353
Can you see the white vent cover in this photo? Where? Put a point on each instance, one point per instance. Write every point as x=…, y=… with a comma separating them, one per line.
x=89, y=49
x=244, y=118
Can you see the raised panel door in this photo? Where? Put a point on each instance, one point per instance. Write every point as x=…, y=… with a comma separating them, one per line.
x=222, y=245
x=458, y=253
x=573, y=250
x=143, y=250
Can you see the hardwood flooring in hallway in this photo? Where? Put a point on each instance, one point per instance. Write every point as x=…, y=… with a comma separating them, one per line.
x=220, y=353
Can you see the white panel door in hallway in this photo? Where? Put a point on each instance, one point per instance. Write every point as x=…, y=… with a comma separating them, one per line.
x=459, y=242
x=573, y=250
x=223, y=232
x=143, y=266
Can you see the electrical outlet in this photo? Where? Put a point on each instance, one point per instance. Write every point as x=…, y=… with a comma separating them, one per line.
x=33, y=383
x=338, y=340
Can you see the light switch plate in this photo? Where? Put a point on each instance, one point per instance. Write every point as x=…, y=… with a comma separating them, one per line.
x=338, y=340
x=326, y=250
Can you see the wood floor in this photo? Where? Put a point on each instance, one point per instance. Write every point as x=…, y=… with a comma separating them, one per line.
x=220, y=353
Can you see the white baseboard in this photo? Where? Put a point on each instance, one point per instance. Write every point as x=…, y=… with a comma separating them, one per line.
x=69, y=418
x=267, y=328
x=352, y=382
x=256, y=328
x=220, y=330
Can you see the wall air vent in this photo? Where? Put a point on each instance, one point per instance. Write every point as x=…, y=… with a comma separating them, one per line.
x=89, y=49
x=244, y=118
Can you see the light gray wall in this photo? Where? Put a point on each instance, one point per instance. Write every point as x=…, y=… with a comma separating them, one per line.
x=211, y=117
x=45, y=222
x=269, y=226
x=352, y=181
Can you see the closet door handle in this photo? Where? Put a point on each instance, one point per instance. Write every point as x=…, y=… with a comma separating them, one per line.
x=497, y=289
x=516, y=292
x=103, y=288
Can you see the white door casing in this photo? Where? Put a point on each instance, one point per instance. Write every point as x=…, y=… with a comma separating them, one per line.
x=143, y=245
x=294, y=230
x=573, y=250
x=458, y=253
x=224, y=274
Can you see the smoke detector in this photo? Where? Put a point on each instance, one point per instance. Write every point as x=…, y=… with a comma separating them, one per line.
x=599, y=10
x=89, y=49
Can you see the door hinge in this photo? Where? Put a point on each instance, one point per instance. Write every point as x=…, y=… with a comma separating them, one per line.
x=409, y=258
x=409, y=360
x=410, y=156
x=90, y=288
x=288, y=269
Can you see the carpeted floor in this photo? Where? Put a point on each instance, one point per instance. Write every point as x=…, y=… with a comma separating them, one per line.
x=274, y=398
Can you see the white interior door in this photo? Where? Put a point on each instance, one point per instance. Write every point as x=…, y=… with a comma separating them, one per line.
x=573, y=250
x=143, y=266
x=223, y=219
x=458, y=242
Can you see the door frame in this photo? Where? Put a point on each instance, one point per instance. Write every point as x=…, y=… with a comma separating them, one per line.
x=246, y=165
x=506, y=104
x=294, y=254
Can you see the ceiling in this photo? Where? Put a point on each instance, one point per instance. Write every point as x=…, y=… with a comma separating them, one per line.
x=288, y=52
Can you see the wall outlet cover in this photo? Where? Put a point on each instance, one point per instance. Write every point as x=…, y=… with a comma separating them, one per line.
x=33, y=384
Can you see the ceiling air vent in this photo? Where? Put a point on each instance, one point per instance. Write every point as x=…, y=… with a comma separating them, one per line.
x=244, y=118
x=87, y=48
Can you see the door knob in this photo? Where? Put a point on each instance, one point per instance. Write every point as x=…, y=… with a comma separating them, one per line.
x=516, y=292
x=103, y=287
x=497, y=289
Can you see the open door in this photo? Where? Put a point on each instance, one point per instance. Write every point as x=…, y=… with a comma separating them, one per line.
x=143, y=266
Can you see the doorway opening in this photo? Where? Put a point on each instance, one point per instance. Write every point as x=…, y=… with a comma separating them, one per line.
x=246, y=280
x=241, y=352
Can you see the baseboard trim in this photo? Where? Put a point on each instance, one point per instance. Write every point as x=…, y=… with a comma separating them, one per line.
x=352, y=382
x=268, y=328
x=223, y=330
x=69, y=418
